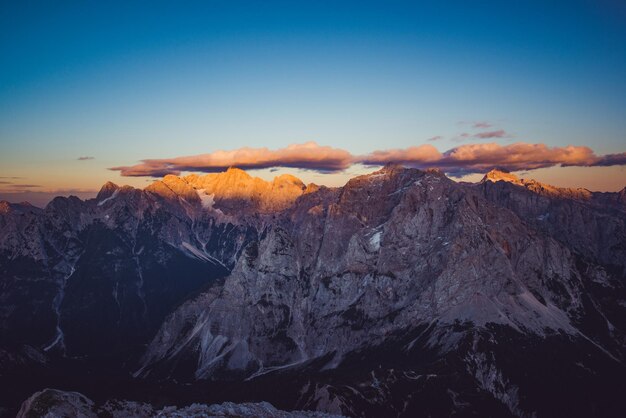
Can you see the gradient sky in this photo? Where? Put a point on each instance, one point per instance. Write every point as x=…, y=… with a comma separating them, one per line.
x=122, y=82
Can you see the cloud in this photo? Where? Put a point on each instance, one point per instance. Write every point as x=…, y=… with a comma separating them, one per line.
x=480, y=158
x=500, y=133
x=85, y=158
x=309, y=156
x=461, y=137
x=481, y=125
x=463, y=159
x=25, y=186
x=612, y=159
x=435, y=138
x=10, y=186
x=424, y=154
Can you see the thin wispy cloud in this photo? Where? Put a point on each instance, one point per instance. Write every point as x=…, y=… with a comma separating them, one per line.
x=461, y=137
x=85, y=158
x=500, y=133
x=494, y=134
x=435, y=138
x=21, y=186
x=11, y=186
x=468, y=158
x=482, y=125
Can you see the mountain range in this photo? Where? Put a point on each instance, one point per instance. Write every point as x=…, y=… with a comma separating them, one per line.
x=401, y=294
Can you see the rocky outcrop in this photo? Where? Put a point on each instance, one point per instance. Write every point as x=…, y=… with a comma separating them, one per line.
x=56, y=403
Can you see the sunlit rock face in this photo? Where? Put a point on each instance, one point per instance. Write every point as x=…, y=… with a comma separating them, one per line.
x=402, y=293
x=235, y=191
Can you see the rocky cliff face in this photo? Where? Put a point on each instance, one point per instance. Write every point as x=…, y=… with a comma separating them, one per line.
x=389, y=252
x=401, y=294
x=590, y=223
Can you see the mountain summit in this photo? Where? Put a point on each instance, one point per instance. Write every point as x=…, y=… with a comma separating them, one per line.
x=233, y=190
x=496, y=175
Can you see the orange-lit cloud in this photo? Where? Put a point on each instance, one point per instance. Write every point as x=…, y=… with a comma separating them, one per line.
x=309, y=155
x=469, y=158
x=478, y=158
x=424, y=154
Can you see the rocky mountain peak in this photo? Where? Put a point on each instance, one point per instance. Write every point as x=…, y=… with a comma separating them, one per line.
x=496, y=175
x=311, y=188
x=5, y=206
x=237, y=172
x=236, y=190
x=538, y=187
x=288, y=179
x=390, y=168
x=172, y=187
x=107, y=190
x=17, y=208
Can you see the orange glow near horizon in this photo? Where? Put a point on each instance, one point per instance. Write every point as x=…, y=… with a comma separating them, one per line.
x=71, y=179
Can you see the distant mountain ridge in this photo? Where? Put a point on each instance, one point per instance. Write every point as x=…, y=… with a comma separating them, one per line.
x=580, y=194
x=402, y=293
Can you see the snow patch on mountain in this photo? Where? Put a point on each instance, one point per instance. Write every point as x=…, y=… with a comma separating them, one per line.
x=375, y=240
x=195, y=252
x=207, y=200
x=113, y=196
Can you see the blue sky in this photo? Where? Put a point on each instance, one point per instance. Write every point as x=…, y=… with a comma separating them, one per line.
x=126, y=81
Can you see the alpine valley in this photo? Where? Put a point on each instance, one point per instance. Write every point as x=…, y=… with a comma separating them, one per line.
x=401, y=294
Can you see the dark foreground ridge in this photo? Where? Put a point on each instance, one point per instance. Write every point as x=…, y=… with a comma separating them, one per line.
x=57, y=403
